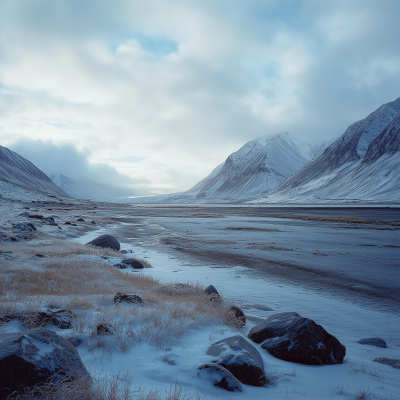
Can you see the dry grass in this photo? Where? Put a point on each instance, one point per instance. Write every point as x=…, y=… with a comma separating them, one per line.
x=267, y=246
x=251, y=228
x=67, y=278
x=116, y=387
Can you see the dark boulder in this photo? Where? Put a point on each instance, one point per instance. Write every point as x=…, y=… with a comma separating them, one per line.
x=373, y=342
x=35, y=216
x=106, y=241
x=27, y=227
x=393, y=362
x=52, y=316
x=220, y=377
x=210, y=290
x=104, y=329
x=237, y=316
x=290, y=337
x=80, y=220
x=133, y=263
x=49, y=221
x=127, y=298
x=35, y=357
x=241, y=358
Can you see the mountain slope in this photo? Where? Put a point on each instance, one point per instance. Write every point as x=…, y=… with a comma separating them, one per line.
x=88, y=190
x=20, y=172
x=258, y=166
x=360, y=165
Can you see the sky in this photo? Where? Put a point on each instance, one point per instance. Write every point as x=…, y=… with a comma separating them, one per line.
x=154, y=94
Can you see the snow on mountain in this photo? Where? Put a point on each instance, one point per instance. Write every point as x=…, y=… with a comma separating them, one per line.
x=258, y=166
x=362, y=165
x=18, y=171
x=89, y=190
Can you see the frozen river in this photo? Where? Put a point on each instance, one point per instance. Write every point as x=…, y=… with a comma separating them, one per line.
x=357, y=261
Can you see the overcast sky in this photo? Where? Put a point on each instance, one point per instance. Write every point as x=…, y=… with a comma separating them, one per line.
x=154, y=94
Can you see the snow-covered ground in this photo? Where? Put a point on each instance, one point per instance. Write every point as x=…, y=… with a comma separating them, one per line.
x=345, y=320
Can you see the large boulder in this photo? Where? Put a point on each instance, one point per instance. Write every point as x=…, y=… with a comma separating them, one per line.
x=106, y=241
x=290, y=337
x=35, y=357
x=240, y=358
x=220, y=377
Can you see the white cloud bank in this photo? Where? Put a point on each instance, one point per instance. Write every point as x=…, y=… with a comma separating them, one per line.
x=162, y=92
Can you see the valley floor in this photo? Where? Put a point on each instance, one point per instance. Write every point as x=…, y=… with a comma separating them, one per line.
x=337, y=270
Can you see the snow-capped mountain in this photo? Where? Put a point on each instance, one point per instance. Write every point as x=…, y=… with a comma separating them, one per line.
x=258, y=166
x=89, y=190
x=20, y=172
x=363, y=164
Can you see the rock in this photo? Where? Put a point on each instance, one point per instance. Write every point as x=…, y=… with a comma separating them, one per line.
x=67, y=223
x=126, y=251
x=104, y=329
x=290, y=337
x=36, y=216
x=39, y=255
x=80, y=220
x=58, y=317
x=120, y=266
x=393, y=362
x=127, y=298
x=106, y=241
x=220, y=377
x=27, y=227
x=33, y=357
x=75, y=340
x=237, y=315
x=240, y=358
x=92, y=222
x=49, y=221
x=133, y=263
x=373, y=342
x=211, y=290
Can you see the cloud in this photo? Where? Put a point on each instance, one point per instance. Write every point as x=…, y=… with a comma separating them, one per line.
x=67, y=160
x=165, y=91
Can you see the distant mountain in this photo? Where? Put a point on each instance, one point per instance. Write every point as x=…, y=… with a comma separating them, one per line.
x=258, y=166
x=89, y=190
x=362, y=165
x=20, y=172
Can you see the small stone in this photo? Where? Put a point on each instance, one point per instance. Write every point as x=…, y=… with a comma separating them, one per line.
x=127, y=298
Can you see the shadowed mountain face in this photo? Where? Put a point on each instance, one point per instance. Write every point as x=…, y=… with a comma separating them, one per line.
x=255, y=168
x=89, y=190
x=363, y=164
x=18, y=171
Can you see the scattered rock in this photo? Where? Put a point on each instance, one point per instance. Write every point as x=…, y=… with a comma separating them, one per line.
x=211, y=290
x=220, y=377
x=133, y=263
x=373, y=342
x=35, y=216
x=290, y=337
x=34, y=357
x=55, y=316
x=49, y=221
x=127, y=298
x=106, y=241
x=237, y=315
x=104, y=329
x=120, y=266
x=92, y=222
x=67, y=223
x=80, y=220
x=28, y=227
x=40, y=255
x=393, y=362
x=241, y=358
x=126, y=251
